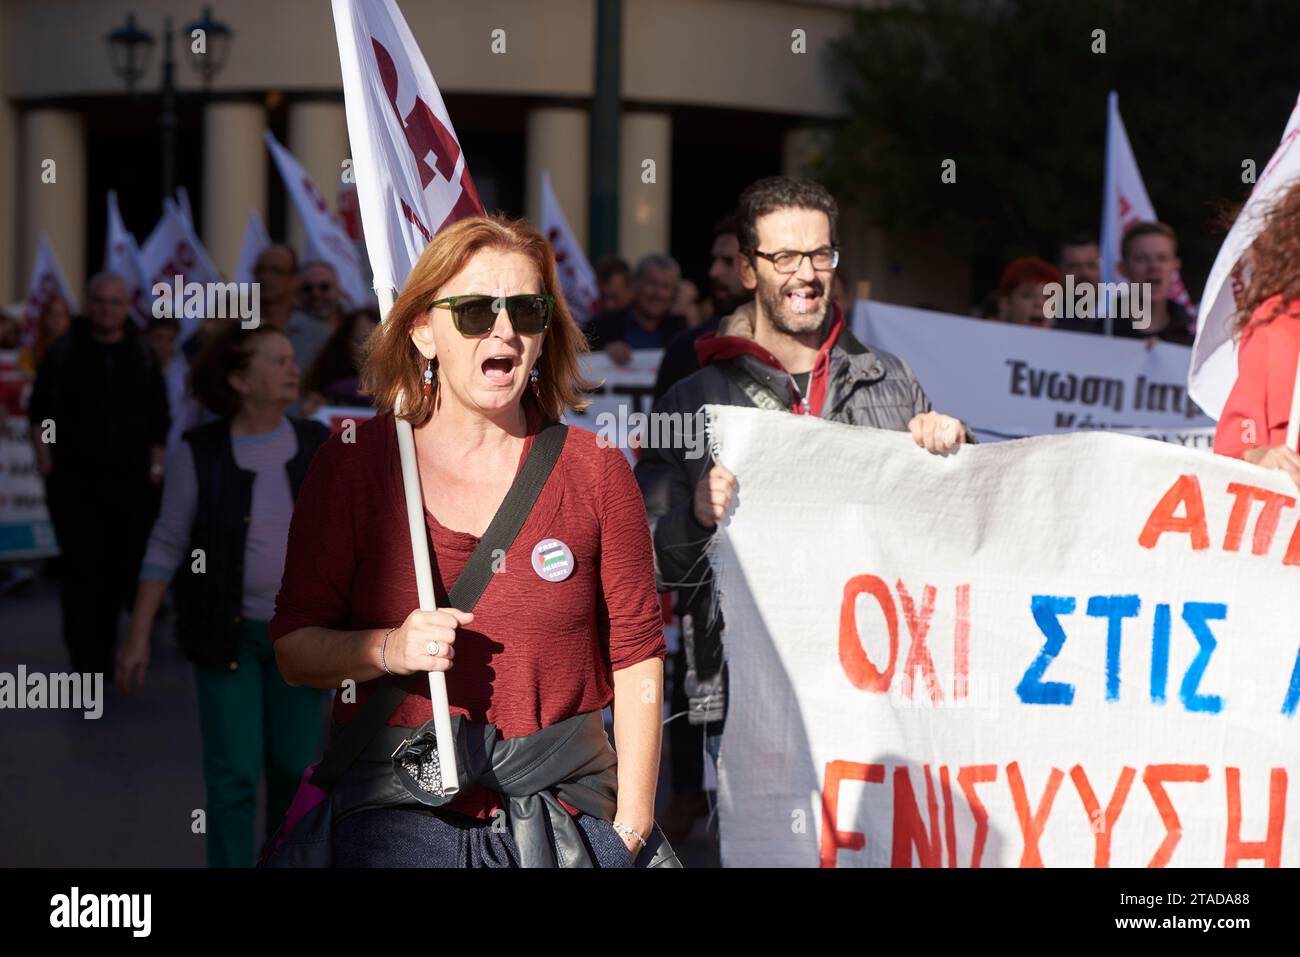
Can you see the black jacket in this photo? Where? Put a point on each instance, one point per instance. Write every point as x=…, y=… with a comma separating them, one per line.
x=864, y=387
x=209, y=605
x=108, y=403
x=679, y=359
x=1180, y=331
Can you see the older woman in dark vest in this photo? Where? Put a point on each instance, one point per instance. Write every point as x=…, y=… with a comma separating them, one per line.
x=220, y=537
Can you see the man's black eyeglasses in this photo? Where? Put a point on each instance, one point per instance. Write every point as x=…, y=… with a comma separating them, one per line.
x=788, y=260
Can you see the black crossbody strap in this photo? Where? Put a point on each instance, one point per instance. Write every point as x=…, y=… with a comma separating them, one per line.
x=353, y=737
x=509, y=519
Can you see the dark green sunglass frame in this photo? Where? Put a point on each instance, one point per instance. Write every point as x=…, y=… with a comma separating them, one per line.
x=511, y=303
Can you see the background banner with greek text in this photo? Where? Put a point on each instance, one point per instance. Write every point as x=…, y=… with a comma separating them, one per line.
x=1072, y=650
x=25, y=529
x=625, y=396
x=1010, y=381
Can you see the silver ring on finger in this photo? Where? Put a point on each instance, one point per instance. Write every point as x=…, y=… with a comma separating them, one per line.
x=434, y=648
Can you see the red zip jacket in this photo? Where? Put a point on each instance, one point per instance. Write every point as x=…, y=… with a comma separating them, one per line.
x=735, y=338
x=1258, y=409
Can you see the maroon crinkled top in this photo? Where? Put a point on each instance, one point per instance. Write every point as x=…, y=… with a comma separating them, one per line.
x=538, y=651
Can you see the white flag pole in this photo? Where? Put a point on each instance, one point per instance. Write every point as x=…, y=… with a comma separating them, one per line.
x=423, y=579
x=1109, y=242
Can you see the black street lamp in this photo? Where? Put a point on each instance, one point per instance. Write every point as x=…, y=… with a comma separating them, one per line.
x=216, y=44
x=129, y=51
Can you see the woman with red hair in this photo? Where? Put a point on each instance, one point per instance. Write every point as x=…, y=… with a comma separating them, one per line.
x=481, y=356
x=1254, y=422
x=1022, y=300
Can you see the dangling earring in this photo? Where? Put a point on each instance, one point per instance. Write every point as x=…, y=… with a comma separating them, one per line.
x=532, y=380
x=428, y=378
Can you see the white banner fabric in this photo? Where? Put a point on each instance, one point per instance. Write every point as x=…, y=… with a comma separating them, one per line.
x=1075, y=650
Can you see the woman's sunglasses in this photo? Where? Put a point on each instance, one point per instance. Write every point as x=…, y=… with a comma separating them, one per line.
x=474, y=315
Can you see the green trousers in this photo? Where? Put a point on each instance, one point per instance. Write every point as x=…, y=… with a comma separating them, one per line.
x=250, y=720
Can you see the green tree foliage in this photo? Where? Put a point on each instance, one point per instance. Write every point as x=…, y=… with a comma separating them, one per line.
x=1013, y=92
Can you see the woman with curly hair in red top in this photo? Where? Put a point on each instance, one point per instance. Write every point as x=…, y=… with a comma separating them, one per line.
x=569, y=621
x=1254, y=422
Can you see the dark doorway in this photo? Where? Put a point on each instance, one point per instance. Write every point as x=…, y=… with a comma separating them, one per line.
x=124, y=153
x=716, y=154
x=491, y=130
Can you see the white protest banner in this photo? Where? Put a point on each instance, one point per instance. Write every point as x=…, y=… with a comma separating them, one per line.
x=173, y=255
x=619, y=414
x=1214, y=353
x=255, y=241
x=1201, y=438
x=122, y=256
x=1009, y=381
x=577, y=278
x=1075, y=650
x=25, y=529
x=411, y=175
x=1125, y=201
x=47, y=282
x=619, y=408
x=326, y=237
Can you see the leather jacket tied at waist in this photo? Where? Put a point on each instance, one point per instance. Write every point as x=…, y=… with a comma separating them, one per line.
x=572, y=760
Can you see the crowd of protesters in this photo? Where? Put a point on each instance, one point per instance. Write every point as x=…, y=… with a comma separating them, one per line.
x=176, y=466
x=1148, y=257
x=172, y=468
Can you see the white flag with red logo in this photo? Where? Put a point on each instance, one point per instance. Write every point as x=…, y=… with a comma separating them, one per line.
x=174, y=255
x=256, y=239
x=122, y=256
x=1214, y=354
x=326, y=237
x=577, y=278
x=47, y=282
x=412, y=178
x=1125, y=202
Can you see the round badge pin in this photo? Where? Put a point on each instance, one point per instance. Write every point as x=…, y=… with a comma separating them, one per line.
x=552, y=560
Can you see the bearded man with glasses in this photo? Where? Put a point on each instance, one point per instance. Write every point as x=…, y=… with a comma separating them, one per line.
x=790, y=349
